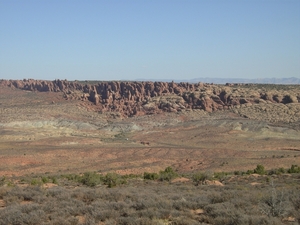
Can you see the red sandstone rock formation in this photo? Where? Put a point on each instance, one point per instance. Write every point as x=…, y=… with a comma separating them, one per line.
x=138, y=98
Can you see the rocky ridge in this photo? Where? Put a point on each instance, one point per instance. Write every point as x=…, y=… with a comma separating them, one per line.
x=140, y=98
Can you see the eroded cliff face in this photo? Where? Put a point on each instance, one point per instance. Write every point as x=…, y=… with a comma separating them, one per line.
x=139, y=98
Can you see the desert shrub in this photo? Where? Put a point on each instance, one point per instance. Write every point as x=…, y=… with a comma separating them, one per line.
x=33, y=193
x=249, y=172
x=277, y=171
x=121, y=207
x=217, y=194
x=74, y=177
x=150, y=176
x=220, y=175
x=3, y=191
x=110, y=222
x=237, y=172
x=58, y=193
x=90, y=179
x=227, y=213
x=67, y=221
x=85, y=195
x=72, y=207
x=131, y=176
x=27, y=208
x=281, y=170
x=12, y=200
x=183, y=221
x=199, y=178
x=294, y=169
x=105, y=214
x=243, y=219
x=35, y=181
x=183, y=204
x=260, y=169
x=45, y=180
x=140, y=205
x=263, y=220
x=135, y=221
x=50, y=179
x=93, y=179
x=115, y=195
x=2, y=181
x=275, y=203
x=142, y=202
x=150, y=213
x=294, y=197
x=168, y=174
x=164, y=213
x=218, y=209
x=26, y=214
x=11, y=216
x=200, y=201
x=233, y=219
x=17, y=194
x=113, y=179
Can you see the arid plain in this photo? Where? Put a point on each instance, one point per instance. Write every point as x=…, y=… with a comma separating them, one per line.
x=148, y=153
x=68, y=130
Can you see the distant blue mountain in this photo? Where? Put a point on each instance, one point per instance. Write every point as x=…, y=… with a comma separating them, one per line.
x=290, y=80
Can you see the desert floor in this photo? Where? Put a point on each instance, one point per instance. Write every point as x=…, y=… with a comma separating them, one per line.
x=42, y=132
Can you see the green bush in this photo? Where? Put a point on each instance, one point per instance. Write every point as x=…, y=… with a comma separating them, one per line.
x=220, y=175
x=90, y=179
x=199, y=178
x=237, y=172
x=281, y=170
x=2, y=181
x=131, y=176
x=74, y=177
x=260, y=169
x=277, y=171
x=249, y=172
x=294, y=169
x=150, y=176
x=93, y=179
x=54, y=180
x=45, y=180
x=113, y=179
x=168, y=174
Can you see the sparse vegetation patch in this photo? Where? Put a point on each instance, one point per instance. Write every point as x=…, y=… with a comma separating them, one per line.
x=94, y=198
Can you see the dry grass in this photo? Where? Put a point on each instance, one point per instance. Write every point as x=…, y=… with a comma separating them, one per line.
x=151, y=202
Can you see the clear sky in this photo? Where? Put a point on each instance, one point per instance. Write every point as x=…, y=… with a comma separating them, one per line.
x=151, y=39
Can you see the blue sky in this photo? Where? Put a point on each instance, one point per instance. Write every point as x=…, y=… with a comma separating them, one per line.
x=154, y=39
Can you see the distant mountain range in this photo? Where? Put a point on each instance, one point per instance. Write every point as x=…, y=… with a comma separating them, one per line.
x=289, y=80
